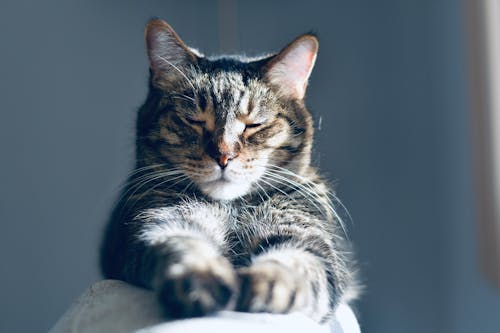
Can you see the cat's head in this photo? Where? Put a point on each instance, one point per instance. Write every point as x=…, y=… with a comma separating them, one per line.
x=229, y=124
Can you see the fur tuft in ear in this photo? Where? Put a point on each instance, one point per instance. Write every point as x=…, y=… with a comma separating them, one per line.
x=166, y=51
x=289, y=70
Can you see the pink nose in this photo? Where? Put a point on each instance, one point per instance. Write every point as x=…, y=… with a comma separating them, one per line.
x=222, y=152
x=223, y=160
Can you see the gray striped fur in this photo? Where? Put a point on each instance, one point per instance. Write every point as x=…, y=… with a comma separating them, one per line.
x=224, y=210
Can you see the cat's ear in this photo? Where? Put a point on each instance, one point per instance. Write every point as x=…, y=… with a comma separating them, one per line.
x=166, y=51
x=289, y=70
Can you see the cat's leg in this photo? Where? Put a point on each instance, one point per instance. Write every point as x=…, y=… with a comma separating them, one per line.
x=292, y=269
x=178, y=252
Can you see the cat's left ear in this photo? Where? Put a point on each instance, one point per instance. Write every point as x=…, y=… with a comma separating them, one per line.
x=289, y=70
x=167, y=53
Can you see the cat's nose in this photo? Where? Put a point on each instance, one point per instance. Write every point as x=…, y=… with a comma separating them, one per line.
x=224, y=159
x=222, y=153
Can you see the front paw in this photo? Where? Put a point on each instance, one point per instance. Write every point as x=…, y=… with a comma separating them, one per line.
x=188, y=291
x=269, y=287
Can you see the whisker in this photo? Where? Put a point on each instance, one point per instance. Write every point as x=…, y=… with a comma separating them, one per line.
x=294, y=186
x=147, y=179
x=184, y=99
x=187, y=186
x=147, y=191
x=181, y=72
x=134, y=178
x=183, y=95
x=133, y=182
x=144, y=168
x=263, y=190
x=277, y=189
x=311, y=191
x=178, y=178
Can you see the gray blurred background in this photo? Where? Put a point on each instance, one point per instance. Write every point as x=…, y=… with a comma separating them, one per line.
x=390, y=88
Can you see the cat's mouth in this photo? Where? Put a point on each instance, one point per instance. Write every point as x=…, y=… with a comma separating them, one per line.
x=224, y=188
x=224, y=178
x=228, y=183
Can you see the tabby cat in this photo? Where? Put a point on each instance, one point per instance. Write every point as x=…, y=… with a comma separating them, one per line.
x=223, y=209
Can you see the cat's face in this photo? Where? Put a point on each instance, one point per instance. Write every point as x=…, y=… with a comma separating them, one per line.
x=228, y=123
x=226, y=133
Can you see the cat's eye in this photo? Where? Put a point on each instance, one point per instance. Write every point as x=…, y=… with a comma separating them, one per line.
x=248, y=126
x=195, y=122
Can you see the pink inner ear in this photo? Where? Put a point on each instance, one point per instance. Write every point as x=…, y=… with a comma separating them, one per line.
x=302, y=68
x=291, y=72
x=165, y=48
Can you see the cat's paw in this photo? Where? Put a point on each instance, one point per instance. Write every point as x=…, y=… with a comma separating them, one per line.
x=188, y=291
x=269, y=287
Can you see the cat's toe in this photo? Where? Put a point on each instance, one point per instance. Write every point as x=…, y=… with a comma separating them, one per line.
x=269, y=287
x=197, y=292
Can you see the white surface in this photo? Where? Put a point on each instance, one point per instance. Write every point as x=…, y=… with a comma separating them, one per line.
x=114, y=306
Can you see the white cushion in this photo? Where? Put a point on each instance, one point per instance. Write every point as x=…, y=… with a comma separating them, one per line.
x=111, y=306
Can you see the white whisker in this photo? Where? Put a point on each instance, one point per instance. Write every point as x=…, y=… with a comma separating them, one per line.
x=181, y=72
x=309, y=189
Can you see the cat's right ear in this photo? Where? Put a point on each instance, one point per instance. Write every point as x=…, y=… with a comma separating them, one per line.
x=167, y=53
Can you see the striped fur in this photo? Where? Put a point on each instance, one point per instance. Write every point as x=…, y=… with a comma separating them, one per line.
x=224, y=210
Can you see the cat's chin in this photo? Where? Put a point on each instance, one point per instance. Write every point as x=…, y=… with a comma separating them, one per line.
x=224, y=190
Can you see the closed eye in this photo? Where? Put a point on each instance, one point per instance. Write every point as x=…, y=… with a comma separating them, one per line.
x=195, y=122
x=253, y=125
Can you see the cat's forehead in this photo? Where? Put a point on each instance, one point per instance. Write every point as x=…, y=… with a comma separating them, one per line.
x=227, y=87
x=232, y=91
